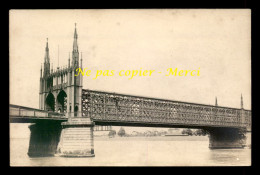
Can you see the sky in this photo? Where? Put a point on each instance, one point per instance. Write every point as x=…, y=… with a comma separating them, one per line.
x=217, y=42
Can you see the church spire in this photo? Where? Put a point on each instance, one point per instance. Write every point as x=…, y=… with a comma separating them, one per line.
x=75, y=44
x=75, y=52
x=216, y=102
x=46, y=68
x=47, y=55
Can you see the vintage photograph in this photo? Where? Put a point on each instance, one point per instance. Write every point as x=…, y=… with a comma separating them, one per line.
x=130, y=87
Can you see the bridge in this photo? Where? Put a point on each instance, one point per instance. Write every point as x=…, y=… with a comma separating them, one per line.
x=68, y=114
x=106, y=108
x=22, y=114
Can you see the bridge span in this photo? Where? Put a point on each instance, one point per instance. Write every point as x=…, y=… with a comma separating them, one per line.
x=60, y=133
x=115, y=109
x=67, y=114
x=106, y=108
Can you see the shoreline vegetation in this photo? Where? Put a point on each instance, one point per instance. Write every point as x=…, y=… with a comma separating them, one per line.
x=152, y=138
x=154, y=133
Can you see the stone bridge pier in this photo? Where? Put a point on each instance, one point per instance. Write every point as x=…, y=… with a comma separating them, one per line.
x=225, y=138
x=77, y=139
x=44, y=138
x=73, y=138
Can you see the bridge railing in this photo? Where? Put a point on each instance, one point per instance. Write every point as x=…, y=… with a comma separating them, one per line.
x=20, y=111
x=102, y=128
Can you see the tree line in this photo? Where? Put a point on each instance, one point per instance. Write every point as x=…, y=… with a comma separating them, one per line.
x=187, y=131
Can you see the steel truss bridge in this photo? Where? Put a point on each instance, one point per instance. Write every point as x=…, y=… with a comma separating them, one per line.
x=118, y=109
x=108, y=109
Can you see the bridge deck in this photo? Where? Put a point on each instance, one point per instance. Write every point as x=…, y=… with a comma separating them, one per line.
x=22, y=114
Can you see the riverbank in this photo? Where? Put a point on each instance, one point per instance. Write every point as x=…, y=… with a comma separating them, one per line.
x=153, y=138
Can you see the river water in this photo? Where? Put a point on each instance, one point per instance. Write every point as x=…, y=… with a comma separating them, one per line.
x=134, y=151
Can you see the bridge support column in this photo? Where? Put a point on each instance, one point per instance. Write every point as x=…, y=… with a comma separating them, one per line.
x=224, y=138
x=44, y=138
x=77, y=138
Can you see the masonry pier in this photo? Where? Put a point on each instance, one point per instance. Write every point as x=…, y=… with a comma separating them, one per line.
x=77, y=138
x=44, y=138
x=226, y=138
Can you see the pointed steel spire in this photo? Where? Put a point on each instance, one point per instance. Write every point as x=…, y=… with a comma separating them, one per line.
x=216, y=102
x=47, y=56
x=241, y=101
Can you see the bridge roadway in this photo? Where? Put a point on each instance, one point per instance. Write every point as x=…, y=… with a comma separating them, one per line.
x=22, y=114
